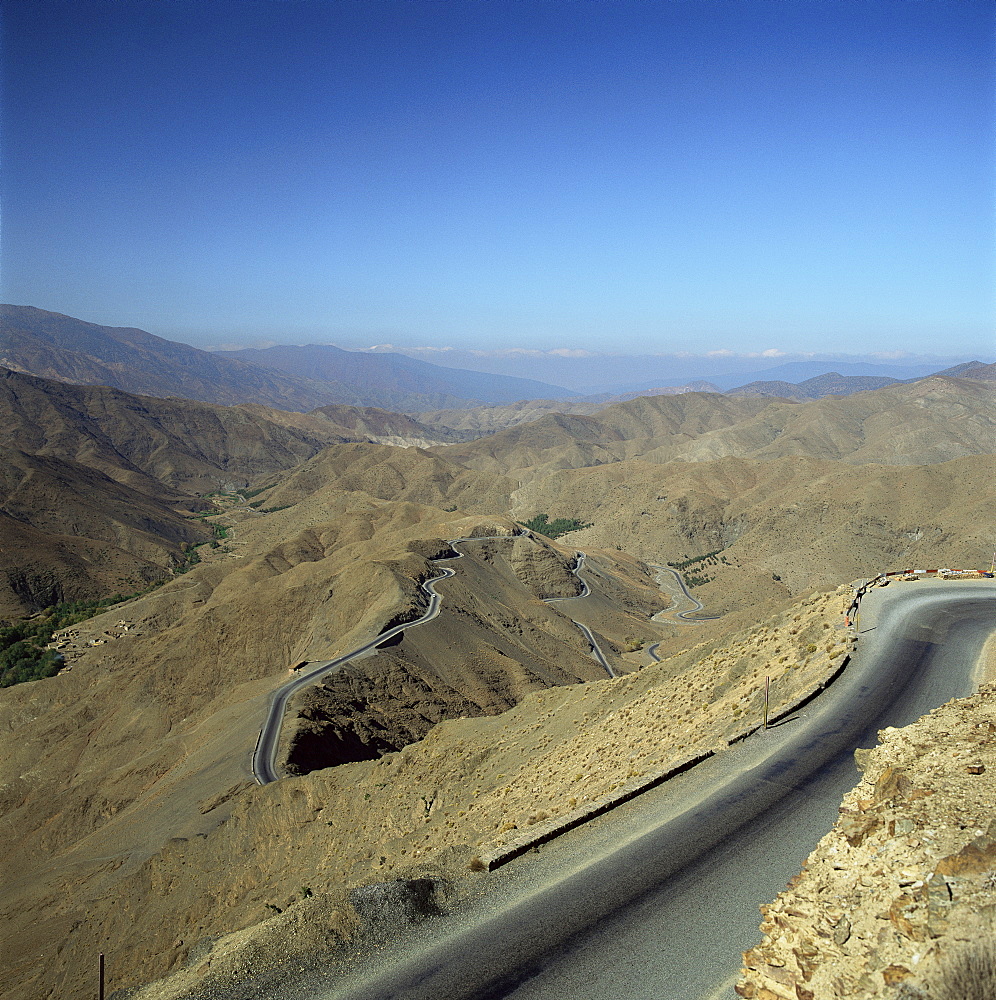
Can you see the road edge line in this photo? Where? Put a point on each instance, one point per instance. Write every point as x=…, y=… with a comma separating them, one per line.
x=541, y=834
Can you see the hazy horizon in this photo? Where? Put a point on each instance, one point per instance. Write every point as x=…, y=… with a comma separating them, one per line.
x=628, y=178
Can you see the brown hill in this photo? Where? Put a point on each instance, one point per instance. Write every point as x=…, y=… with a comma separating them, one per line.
x=408, y=474
x=985, y=373
x=94, y=482
x=625, y=430
x=477, y=421
x=831, y=384
x=55, y=346
x=972, y=369
x=148, y=737
x=176, y=811
x=384, y=427
x=69, y=532
x=475, y=661
x=933, y=420
x=127, y=778
x=777, y=527
x=148, y=442
x=393, y=380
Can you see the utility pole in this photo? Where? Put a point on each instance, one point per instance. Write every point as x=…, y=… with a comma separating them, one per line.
x=767, y=684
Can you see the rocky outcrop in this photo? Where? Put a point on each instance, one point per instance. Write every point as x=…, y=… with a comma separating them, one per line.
x=902, y=888
x=363, y=714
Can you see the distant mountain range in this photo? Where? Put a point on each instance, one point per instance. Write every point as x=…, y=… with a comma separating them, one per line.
x=394, y=375
x=796, y=372
x=290, y=378
x=835, y=384
x=97, y=486
x=52, y=345
x=927, y=421
x=831, y=384
x=615, y=375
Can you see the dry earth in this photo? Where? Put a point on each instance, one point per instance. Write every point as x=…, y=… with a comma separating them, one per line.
x=935, y=420
x=148, y=737
x=134, y=828
x=779, y=527
x=470, y=786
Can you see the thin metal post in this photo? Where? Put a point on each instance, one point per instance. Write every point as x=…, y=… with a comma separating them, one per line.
x=767, y=684
x=100, y=967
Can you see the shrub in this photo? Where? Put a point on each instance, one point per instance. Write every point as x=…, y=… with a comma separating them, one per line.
x=969, y=974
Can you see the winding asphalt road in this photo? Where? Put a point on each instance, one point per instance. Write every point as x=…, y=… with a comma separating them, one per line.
x=586, y=632
x=656, y=899
x=264, y=766
x=678, y=615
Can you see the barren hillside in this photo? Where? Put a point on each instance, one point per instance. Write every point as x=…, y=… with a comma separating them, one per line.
x=55, y=346
x=128, y=785
x=62, y=347
x=70, y=532
x=933, y=420
x=148, y=442
x=626, y=430
x=385, y=427
x=778, y=526
x=391, y=473
x=128, y=776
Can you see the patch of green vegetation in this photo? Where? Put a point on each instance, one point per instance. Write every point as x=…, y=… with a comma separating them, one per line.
x=709, y=559
x=23, y=656
x=273, y=510
x=193, y=557
x=555, y=528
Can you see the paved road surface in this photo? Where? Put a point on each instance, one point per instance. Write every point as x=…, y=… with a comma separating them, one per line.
x=264, y=757
x=585, y=592
x=657, y=899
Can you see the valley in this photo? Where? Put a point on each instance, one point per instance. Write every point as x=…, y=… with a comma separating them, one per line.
x=140, y=830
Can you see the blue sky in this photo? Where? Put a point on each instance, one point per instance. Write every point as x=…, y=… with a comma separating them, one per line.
x=687, y=176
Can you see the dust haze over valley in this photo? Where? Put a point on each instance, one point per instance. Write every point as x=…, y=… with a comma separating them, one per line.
x=255, y=539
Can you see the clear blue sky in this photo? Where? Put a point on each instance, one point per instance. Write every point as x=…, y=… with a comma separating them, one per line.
x=652, y=176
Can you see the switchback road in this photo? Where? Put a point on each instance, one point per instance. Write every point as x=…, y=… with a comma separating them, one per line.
x=585, y=631
x=656, y=900
x=264, y=766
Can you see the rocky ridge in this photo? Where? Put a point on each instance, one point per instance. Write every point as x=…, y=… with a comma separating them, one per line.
x=906, y=879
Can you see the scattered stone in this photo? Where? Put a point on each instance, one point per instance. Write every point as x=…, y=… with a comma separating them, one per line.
x=398, y=903
x=893, y=974
x=907, y=875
